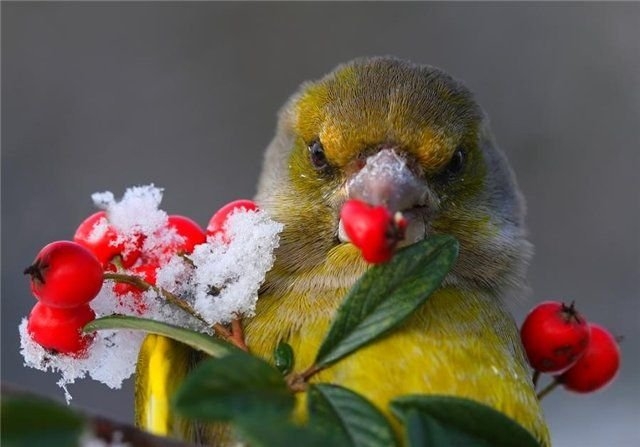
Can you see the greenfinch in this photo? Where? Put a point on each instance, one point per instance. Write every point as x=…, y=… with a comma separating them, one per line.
x=411, y=138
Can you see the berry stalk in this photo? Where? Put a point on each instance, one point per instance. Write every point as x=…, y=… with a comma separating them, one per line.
x=549, y=388
x=235, y=336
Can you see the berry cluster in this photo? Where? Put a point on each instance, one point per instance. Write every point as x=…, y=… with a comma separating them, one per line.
x=373, y=229
x=558, y=340
x=116, y=252
x=66, y=276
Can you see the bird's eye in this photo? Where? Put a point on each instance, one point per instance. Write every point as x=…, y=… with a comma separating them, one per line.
x=317, y=156
x=457, y=163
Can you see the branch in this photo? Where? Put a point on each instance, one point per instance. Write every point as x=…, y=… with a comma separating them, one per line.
x=100, y=426
x=168, y=296
x=104, y=429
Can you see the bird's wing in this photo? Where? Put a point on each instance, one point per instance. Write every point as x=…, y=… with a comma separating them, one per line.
x=162, y=365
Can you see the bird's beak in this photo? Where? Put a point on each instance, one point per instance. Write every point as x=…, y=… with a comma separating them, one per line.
x=386, y=179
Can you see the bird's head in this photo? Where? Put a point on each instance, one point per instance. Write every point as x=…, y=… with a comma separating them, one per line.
x=407, y=136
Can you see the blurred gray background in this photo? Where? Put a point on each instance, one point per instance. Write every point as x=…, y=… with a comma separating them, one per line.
x=100, y=97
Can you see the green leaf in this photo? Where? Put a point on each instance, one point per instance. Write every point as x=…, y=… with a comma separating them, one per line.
x=281, y=432
x=205, y=343
x=443, y=421
x=28, y=422
x=283, y=357
x=387, y=294
x=238, y=385
x=357, y=421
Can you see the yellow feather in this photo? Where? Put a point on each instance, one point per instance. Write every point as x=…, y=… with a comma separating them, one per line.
x=460, y=343
x=162, y=366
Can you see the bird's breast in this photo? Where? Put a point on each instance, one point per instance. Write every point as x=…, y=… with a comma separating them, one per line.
x=461, y=344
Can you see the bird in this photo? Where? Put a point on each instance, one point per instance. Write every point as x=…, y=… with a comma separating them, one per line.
x=412, y=138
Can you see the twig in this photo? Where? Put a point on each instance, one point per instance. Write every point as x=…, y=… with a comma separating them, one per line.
x=222, y=331
x=546, y=390
x=235, y=336
x=297, y=382
x=186, y=259
x=232, y=336
x=117, y=262
x=101, y=427
x=536, y=377
x=143, y=285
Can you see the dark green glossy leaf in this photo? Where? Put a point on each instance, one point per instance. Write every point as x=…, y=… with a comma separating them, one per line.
x=283, y=357
x=273, y=431
x=197, y=340
x=387, y=294
x=232, y=387
x=357, y=421
x=28, y=422
x=443, y=421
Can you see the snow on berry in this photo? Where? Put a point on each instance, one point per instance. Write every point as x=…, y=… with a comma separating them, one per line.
x=137, y=216
x=98, y=235
x=218, y=221
x=112, y=355
x=110, y=359
x=137, y=211
x=60, y=329
x=223, y=278
x=219, y=279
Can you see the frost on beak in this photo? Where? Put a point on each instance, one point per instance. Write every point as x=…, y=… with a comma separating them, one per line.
x=386, y=180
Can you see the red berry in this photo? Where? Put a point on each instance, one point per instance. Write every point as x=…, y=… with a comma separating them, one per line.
x=554, y=336
x=597, y=367
x=65, y=274
x=96, y=234
x=148, y=273
x=190, y=232
x=373, y=229
x=218, y=220
x=60, y=329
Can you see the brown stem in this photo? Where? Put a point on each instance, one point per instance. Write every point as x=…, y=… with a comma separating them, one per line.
x=311, y=371
x=231, y=335
x=143, y=285
x=101, y=427
x=128, y=279
x=117, y=261
x=297, y=382
x=549, y=388
x=237, y=334
x=222, y=331
x=108, y=430
x=186, y=259
x=536, y=377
